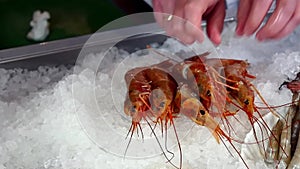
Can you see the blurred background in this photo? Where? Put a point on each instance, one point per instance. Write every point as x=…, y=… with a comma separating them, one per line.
x=68, y=18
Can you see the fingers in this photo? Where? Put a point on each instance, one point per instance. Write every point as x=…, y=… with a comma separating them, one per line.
x=187, y=15
x=282, y=22
x=189, y=29
x=253, y=16
x=187, y=18
x=242, y=15
x=158, y=9
x=256, y=15
x=289, y=28
x=215, y=22
x=162, y=9
x=175, y=27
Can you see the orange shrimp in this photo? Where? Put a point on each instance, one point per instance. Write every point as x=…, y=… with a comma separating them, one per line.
x=211, y=90
x=217, y=91
x=163, y=92
x=151, y=93
x=197, y=71
x=195, y=80
x=192, y=107
x=239, y=88
x=231, y=88
x=236, y=76
x=136, y=104
x=242, y=94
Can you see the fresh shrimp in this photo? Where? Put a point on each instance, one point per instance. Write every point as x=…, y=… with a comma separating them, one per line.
x=230, y=87
x=196, y=72
x=241, y=90
x=212, y=94
x=271, y=154
x=192, y=107
x=210, y=86
x=163, y=92
x=294, y=86
x=295, y=127
x=151, y=92
x=214, y=76
x=295, y=162
x=237, y=67
x=241, y=94
x=235, y=73
x=136, y=104
x=194, y=69
x=285, y=139
x=295, y=141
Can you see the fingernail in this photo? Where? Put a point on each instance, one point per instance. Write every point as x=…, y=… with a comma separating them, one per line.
x=238, y=31
x=259, y=38
x=246, y=33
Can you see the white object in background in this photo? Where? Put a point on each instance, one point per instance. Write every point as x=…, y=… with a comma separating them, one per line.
x=149, y=2
x=40, y=26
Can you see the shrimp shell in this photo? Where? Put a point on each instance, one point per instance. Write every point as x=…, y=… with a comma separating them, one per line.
x=295, y=162
x=271, y=154
x=285, y=138
x=295, y=129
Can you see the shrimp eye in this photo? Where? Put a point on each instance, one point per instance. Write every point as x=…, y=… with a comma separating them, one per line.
x=133, y=108
x=162, y=104
x=202, y=112
x=246, y=102
x=208, y=93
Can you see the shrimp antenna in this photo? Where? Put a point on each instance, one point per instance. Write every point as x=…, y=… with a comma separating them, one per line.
x=161, y=146
x=139, y=125
x=179, y=146
x=263, y=100
x=236, y=150
x=222, y=77
x=272, y=111
x=166, y=142
x=263, y=121
x=233, y=146
x=226, y=147
x=161, y=54
x=131, y=129
x=229, y=127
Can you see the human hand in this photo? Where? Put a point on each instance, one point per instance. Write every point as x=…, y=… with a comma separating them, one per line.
x=285, y=18
x=187, y=17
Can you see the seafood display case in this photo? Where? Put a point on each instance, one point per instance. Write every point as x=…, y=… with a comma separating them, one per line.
x=40, y=129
